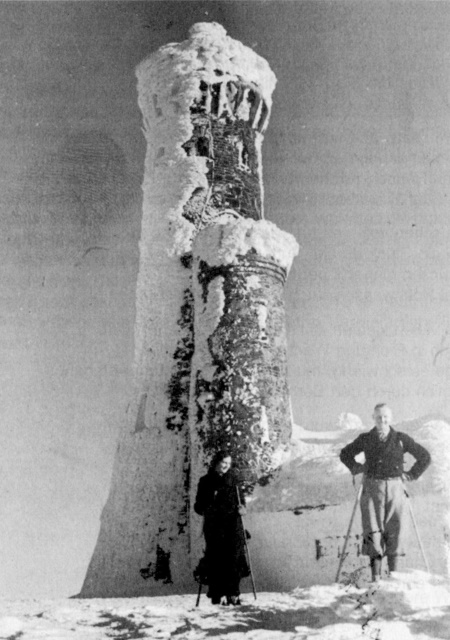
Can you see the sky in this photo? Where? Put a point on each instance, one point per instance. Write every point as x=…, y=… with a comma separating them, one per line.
x=355, y=162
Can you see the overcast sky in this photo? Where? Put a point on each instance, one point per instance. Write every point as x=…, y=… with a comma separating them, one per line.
x=356, y=166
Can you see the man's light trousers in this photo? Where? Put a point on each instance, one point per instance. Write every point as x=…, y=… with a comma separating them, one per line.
x=383, y=504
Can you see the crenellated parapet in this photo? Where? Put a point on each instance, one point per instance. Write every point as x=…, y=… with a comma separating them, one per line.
x=228, y=119
x=206, y=104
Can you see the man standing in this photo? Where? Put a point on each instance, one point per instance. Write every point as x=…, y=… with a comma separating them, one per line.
x=383, y=496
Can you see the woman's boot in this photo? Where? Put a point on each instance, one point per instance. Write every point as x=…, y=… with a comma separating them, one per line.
x=234, y=600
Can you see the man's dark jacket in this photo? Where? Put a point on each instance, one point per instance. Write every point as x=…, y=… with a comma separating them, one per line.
x=384, y=459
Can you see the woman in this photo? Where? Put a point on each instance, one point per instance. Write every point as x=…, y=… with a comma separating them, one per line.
x=220, y=502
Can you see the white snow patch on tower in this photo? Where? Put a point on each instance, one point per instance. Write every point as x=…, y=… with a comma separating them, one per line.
x=223, y=242
x=264, y=425
x=261, y=314
x=253, y=282
x=205, y=323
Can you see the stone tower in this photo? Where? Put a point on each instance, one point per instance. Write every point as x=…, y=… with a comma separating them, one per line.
x=210, y=346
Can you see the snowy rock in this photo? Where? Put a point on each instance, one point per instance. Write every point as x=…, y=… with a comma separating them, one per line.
x=350, y=421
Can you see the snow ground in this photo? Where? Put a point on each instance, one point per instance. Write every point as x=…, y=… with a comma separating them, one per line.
x=410, y=605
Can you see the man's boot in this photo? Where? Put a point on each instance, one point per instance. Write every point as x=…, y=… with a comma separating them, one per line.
x=392, y=563
x=375, y=566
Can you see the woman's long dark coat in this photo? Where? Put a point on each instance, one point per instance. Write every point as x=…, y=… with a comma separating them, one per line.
x=225, y=561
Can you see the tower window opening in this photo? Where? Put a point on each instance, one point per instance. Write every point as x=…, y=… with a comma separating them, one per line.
x=202, y=146
x=215, y=98
x=254, y=99
x=232, y=96
x=189, y=148
x=204, y=90
x=158, y=110
x=263, y=116
x=245, y=157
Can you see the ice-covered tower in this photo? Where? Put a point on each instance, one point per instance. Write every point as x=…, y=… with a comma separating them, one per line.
x=210, y=349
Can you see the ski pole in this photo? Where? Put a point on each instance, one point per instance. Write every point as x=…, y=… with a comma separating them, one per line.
x=417, y=531
x=352, y=517
x=246, y=545
x=199, y=594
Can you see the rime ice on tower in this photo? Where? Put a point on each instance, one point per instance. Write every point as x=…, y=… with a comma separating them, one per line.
x=239, y=393
x=210, y=348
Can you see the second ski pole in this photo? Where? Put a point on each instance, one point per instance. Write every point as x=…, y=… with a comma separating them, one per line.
x=352, y=517
x=246, y=545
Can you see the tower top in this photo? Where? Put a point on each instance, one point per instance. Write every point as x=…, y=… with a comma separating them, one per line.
x=209, y=54
x=213, y=29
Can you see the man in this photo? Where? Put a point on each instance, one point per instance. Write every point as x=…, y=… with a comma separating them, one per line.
x=220, y=502
x=383, y=497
